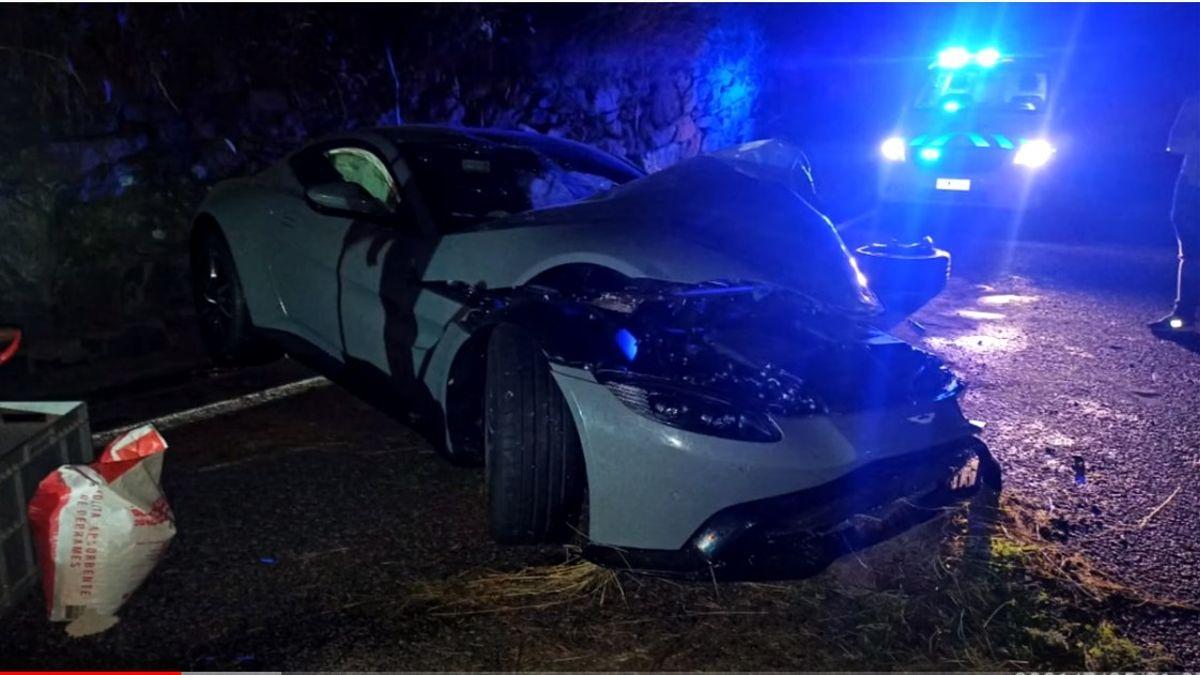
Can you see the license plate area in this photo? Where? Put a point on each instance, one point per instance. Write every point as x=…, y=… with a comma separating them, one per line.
x=954, y=184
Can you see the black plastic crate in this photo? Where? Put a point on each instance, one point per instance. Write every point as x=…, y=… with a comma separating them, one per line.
x=35, y=439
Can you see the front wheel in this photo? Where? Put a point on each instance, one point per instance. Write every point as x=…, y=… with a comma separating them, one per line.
x=534, y=462
x=221, y=305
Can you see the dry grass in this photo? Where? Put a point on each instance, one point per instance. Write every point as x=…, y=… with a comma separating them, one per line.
x=529, y=588
x=946, y=596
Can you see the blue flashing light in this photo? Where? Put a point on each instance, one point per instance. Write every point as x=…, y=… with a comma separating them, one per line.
x=952, y=106
x=987, y=57
x=953, y=57
x=628, y=343
x=930, y=154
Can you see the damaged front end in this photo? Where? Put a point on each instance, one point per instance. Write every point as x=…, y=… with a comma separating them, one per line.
x=720, y=358
x=745, y=365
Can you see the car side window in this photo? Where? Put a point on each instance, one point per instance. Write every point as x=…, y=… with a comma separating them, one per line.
x=362, y=167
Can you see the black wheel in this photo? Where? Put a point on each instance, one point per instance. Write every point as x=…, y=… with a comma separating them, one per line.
x=221, y=307
x=534, y=463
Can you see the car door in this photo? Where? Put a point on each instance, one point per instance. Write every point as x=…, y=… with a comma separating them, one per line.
x=312, y=240
x=380, y=272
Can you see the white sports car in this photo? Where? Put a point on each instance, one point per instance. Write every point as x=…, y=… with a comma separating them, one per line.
x=692, y=353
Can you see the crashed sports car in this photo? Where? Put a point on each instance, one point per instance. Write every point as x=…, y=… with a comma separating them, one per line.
x=684, y=368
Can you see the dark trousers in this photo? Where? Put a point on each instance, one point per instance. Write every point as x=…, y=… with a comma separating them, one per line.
x=1185, y=214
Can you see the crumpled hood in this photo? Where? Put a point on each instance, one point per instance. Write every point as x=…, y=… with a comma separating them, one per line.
x=703, y=219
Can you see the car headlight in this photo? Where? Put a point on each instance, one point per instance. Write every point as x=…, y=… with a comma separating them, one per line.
x=1033, y=154
x=894, y=149
x=690, y=410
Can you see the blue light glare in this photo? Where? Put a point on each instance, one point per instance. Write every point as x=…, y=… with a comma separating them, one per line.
x=628, y=343
x=1033, y=153
x=930, y=154
x=952, y=106
x=893, y=149
x=987, y=57
x=953, y=57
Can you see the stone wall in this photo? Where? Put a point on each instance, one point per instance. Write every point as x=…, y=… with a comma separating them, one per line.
x=114, y=120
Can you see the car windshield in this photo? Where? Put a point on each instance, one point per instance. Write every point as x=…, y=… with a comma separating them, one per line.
x=469, y=181
x=1006, y=87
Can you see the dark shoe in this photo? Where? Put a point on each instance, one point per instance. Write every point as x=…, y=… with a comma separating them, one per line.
x=1172, y=324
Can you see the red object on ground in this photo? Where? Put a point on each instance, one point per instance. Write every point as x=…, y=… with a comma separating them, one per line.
x=100, y=529
x=13, y=335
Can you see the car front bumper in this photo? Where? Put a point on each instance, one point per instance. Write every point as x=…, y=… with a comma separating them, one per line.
x=660, y=492
x=799, y=534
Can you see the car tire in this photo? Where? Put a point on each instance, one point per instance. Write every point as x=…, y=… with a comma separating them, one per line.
x=904, y=277
x=221, y=311
x=533, y=458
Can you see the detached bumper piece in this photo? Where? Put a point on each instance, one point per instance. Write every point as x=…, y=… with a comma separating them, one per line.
x=799, y=534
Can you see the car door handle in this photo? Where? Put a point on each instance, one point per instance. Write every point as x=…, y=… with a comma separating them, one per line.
x=287, y=221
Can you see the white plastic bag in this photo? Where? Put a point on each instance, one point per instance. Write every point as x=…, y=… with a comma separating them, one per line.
x=100, y=529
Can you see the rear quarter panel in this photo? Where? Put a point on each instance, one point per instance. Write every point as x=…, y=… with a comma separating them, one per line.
x=242, y=208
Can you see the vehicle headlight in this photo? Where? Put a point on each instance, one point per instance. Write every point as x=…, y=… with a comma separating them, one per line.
x=894, y=149
x=987, y=57
x=1033, y=154
x=690, y=410
x=953, y=57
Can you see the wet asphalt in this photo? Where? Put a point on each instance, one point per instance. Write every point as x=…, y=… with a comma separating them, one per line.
x=301, y=520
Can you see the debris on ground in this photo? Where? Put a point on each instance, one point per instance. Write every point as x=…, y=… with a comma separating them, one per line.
x=100, y=529
x=1080, y=470
x=1160, y=507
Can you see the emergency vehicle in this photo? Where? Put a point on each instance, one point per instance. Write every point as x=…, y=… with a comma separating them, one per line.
x=975, y=135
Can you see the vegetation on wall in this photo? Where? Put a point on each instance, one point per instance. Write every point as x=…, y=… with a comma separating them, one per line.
x=116, y=118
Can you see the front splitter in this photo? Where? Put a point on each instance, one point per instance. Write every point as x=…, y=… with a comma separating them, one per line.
x=799, y=534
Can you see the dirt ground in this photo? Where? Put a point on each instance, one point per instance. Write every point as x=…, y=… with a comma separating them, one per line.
x=315, y=533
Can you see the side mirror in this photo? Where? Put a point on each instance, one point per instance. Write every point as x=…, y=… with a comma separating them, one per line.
x=345, y=197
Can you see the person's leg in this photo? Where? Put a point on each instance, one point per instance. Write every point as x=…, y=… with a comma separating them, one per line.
x=1186, y=217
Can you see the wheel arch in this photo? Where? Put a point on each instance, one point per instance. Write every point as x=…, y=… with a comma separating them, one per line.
x=463, y=398
x=203, y=222
x=247, y=248
x=463, y=403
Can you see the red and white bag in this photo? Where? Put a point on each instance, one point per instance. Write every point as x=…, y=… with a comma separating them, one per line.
x=100, y=529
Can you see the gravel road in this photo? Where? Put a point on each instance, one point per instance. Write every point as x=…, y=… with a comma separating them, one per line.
x=1053, y=343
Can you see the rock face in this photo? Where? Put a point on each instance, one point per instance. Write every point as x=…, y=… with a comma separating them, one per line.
x=114, y=120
